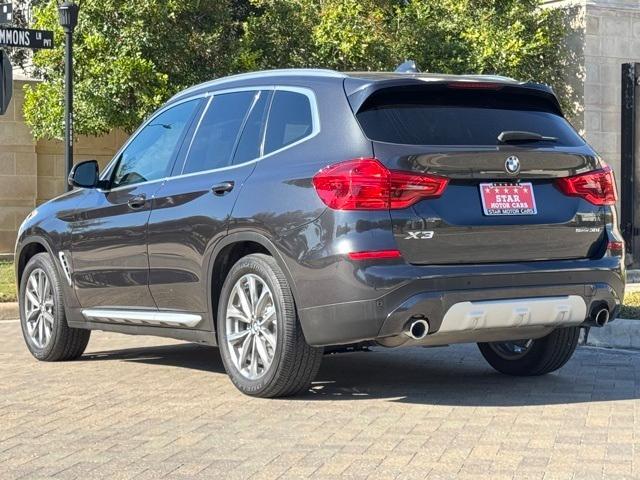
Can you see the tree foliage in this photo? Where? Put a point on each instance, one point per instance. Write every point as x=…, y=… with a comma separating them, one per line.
x=131, y=56
x=505, y=37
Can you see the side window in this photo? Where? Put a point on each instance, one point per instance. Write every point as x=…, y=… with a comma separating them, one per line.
x=150, y=153
x=251, y=138
x=216, y=136
x=289, y=120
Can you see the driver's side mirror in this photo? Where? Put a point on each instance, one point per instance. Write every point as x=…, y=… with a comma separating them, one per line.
x=84, y=174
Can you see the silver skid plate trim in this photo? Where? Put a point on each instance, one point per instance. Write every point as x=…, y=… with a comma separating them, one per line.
x=520, y=312
x=136, y=317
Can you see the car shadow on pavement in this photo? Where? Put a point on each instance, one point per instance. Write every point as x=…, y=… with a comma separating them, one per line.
x=454, y=376
x=185, y=355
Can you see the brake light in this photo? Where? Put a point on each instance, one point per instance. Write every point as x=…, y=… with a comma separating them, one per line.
x=474, y=86
x=366, y=184
x=597, y=187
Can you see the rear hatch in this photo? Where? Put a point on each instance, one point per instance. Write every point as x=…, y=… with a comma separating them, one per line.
x=503, y=201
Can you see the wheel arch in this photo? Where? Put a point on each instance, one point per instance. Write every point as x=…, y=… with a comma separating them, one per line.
x=30, y=247
x=227, y=253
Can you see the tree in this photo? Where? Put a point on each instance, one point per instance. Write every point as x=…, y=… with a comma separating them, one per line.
x=339, y=34
x=129, y=58
x=506, y=37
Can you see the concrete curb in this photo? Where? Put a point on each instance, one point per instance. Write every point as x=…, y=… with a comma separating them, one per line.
x=621, y=333
x=9, y=311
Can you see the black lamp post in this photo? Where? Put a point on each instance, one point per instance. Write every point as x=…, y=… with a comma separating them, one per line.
x=68, y=14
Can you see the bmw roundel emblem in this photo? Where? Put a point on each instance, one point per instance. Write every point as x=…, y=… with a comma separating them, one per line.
x=512, y=165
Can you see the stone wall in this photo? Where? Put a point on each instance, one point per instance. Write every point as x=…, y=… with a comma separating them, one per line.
x=33, y=172
x=610, y=31
x=18, y=171
x=612, y=38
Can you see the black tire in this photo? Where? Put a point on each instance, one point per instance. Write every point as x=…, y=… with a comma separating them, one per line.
x=64, y=343
x=295, y=363
x=544, y=355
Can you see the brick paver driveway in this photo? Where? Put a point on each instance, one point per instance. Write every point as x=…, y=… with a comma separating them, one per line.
x=141, y=407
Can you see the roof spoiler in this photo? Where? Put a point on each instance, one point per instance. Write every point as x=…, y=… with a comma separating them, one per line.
x=358, y=91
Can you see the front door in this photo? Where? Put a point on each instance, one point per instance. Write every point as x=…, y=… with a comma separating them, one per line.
x=109, y=241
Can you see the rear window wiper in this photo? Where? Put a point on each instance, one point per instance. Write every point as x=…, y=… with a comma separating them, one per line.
x=519, y=136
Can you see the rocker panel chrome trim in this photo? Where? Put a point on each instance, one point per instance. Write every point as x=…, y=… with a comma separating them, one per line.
x=137, y=317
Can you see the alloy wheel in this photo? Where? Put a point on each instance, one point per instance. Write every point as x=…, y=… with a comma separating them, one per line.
x=251, y=326
x=39, y=308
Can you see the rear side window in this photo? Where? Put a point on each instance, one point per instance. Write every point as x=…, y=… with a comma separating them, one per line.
x=290, y=120
x=251, y=138
x=441, y=116
x=219, y=129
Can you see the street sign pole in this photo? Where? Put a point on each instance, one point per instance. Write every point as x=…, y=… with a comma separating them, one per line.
x=68, y=13
x=68, y=104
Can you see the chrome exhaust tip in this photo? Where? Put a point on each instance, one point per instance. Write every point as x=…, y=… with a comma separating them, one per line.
x=418, y=329
x=601, y=318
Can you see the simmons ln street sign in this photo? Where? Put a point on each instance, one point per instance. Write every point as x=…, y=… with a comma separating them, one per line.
x=25, y=38
x=16, y=38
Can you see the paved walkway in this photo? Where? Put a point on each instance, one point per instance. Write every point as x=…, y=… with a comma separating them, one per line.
x=146, y=408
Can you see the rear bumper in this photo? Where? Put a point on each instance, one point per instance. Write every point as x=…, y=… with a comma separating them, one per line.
x=385, y=317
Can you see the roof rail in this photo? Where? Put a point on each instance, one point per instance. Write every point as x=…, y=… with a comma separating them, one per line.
x=305, y=72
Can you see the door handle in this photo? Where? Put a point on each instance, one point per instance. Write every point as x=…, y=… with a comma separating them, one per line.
x=137, y=202
x=222, y=188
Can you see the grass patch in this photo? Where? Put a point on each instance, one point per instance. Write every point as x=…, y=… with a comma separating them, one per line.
x=631, y=307
x=7, y=282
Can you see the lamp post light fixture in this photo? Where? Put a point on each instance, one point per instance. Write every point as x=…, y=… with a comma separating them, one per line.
x=68, y=16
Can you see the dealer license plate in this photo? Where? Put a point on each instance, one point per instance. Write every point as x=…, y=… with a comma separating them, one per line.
x=508, y=199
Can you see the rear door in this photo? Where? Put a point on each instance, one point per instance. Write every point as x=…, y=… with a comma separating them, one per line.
x=502, y=203
x=191, y=211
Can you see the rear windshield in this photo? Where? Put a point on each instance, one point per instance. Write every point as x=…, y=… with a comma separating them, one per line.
x=442, y=116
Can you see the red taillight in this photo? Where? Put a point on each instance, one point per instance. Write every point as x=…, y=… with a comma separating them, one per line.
x=375, y=255
x=366, y=184
x=615, y=249
x=597, y=187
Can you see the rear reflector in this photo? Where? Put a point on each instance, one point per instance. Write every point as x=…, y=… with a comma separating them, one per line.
x=597, y=187
x=366, y=184
x=375, y=255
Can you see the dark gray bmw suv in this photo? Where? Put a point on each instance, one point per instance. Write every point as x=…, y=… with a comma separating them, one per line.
x=277, y=213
